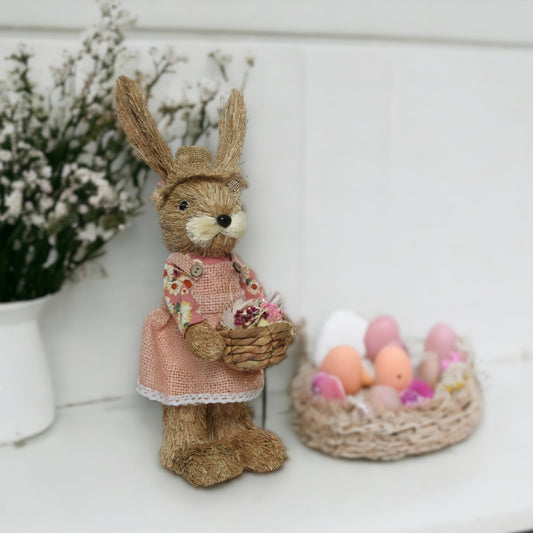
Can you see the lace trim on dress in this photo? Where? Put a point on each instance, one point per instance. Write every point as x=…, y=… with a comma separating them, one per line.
x=190, y=399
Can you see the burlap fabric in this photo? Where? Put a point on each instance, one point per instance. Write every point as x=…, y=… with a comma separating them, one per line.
x=168, y=371
x=345, y=430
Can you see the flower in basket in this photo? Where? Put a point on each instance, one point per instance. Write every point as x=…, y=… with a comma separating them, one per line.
x=69, y=181
x=259, y=312
x=257, y=333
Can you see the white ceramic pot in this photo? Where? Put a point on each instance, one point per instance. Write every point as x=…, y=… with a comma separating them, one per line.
x=26, y=397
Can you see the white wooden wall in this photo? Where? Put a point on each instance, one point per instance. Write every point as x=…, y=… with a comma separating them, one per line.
x=390, y=156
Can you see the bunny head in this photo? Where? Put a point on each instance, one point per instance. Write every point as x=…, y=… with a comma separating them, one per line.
x=199, y=203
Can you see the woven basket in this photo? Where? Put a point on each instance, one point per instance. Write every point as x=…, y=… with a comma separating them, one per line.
x=346, y=429
x=257, y=347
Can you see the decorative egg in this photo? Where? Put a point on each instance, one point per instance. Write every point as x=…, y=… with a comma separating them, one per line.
x=345, y=363
x=328, y=386
x=441, y=339
x=381, y=398
x=393, y=368
x=381, y=331
x=429, y=369
x=341, y=327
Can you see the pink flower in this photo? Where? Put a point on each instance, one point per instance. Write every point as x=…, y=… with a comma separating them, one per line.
x=454, y=357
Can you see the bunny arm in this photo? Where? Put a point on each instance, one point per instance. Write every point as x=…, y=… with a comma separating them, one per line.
x=204, y=342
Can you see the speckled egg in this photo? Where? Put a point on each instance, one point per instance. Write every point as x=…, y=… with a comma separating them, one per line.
x=393, y=368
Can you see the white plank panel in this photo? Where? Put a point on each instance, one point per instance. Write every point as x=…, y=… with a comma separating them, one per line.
x=426, y=209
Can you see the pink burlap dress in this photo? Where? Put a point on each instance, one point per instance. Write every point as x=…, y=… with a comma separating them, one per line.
x=195, y=289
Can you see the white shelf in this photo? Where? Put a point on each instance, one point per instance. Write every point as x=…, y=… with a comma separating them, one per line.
x=96, y=470
x=500, y=22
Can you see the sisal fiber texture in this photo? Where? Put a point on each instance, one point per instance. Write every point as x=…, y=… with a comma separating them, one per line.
x=190, y=161
x=341, y=429
x=259, y=347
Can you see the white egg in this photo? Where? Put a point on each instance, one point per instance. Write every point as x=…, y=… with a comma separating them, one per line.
x=341, y=327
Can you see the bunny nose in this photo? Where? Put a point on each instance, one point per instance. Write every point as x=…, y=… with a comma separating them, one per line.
x=224, y=220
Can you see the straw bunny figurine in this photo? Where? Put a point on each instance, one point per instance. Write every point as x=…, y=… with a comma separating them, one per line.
x=209, y=436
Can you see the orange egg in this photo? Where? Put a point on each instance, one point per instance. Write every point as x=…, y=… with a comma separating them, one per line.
x=393, y=368
x=344, y=362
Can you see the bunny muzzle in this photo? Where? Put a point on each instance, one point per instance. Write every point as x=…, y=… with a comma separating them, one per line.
x=202, y=229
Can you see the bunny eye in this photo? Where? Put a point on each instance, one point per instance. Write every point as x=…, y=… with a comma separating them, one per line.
x=183, y=205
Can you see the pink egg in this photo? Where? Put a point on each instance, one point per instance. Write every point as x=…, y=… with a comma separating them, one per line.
x=328, y=386
x=381, y=331
x=441, y=340
x=382, y=398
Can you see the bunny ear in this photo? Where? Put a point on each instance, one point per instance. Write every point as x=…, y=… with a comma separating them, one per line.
x=231, y=131
x=140, y=127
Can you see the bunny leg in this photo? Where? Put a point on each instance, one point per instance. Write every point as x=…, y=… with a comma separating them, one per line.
x=188, y=451
x=260, y=450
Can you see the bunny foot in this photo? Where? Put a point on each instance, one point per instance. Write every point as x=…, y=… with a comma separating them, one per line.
x=260, y=450
x=207, y=464
x=189, y=451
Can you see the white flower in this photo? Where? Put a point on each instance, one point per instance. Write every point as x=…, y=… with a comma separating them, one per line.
x=9, y=129
x=207, y=88
x=46, y=171
x=46, y=203
x=13, y=202
x=5, y=155
x=107, y=234
x=51, y=259
x=37, y=220
x=68, y=169
x=46, y=186
x=30, y=175
x=61, y=209
x=89, y=233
